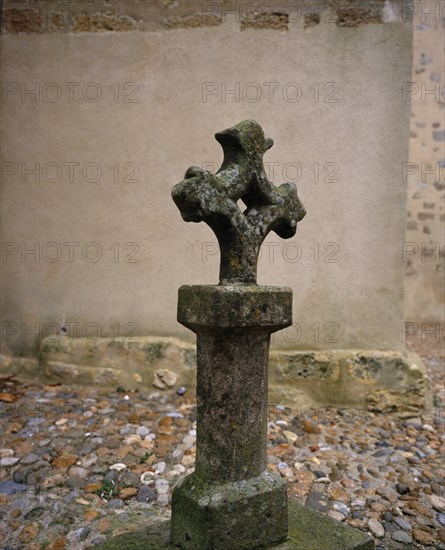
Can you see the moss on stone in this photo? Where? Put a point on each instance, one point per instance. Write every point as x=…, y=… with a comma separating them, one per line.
x=154, y=350
x=245, y=514
x=58, y=344
x=305, y=365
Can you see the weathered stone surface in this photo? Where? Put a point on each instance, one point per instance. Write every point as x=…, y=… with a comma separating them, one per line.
x=232, y=375
x=308, y=529
x=130, y=363
x=165, y=378
x=50, y=16
x=233, y=326
x=245, y=514
x=372, y=380
x=232, y=500
x=22, y=21
x=104, y=22
x=192, y=21
x=226, y=307
x=82, y=375
x=266, y=20
x=23, y=366
x=212, y=198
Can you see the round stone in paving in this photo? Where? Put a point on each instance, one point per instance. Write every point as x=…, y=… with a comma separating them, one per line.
x=162, y=486
x=142, y=431
x=437, y=502
x=30, y=459
x=163, y=499
x=376, y=528
x=403, y=524
x=340, y=507
x=8, y=461
x=129, y=479
x=82, y=533
x=336, y=515
x=89, y=460
x=19, y=476
x=118, y=466
x=145, y=494
x=78, y=471
x=112, y=476
x=402, y=536
x=402, y=488
x=34, y=513
x=10, y=487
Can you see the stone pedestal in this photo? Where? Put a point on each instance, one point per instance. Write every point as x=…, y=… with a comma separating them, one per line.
x=308, y=530
x=232, y=500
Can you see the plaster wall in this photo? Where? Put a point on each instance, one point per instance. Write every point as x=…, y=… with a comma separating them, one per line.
x=141, y=108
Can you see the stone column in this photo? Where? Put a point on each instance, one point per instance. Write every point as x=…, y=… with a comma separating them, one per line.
x=232, y=500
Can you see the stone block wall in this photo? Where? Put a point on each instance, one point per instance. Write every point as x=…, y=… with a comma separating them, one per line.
x=375, y=381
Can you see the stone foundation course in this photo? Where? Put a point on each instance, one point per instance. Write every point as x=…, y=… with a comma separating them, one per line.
x=377, y=381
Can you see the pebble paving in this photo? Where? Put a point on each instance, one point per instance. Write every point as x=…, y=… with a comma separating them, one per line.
x=78, y=465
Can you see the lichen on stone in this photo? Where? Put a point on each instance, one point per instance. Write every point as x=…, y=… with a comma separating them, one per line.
x=306, y=366
x=213, y=198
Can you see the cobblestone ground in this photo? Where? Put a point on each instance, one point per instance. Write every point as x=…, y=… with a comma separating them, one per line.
x=79, y=465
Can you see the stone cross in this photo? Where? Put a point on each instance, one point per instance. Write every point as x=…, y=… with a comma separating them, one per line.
x=212, y=198
x=232, y=501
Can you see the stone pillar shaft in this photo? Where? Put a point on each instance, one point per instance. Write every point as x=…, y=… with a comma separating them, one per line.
x=232, y=403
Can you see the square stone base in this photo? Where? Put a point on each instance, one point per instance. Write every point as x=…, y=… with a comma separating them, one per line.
x=244, y=514
x=308, y=530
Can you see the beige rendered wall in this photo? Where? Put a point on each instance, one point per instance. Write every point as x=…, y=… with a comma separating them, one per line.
x=106, y=164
